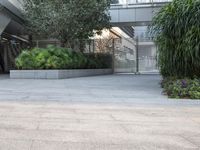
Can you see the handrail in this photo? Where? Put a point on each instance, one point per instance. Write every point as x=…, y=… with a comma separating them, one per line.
x=136, y=5
x=127, y=2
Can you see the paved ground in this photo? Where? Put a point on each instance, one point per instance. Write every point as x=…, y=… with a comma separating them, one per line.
x=117, y=88
x=120, y=112
x=142, y=89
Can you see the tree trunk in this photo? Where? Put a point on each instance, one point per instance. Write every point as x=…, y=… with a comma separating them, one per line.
x=62, y=43
x=82, y=45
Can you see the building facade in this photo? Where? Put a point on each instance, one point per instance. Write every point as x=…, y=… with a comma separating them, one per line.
x=12, y=33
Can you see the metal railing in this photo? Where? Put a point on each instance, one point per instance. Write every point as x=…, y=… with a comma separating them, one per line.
x=127, y=2
x=145, y=39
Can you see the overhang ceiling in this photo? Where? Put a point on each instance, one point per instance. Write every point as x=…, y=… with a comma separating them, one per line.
x=128, y=30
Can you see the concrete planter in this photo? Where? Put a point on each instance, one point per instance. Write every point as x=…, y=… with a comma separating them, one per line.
x=57, y=74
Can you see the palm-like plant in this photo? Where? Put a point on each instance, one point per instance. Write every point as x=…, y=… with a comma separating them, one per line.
x=176, y=28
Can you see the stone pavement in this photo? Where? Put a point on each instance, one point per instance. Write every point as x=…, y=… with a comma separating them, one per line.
x=116, y=112
x=136, y=89
x=68, y=126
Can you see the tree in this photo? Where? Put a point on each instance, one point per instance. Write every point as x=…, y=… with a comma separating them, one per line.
x=67, y=20
x=176, y=28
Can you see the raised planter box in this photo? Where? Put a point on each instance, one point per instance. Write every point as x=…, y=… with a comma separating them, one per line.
x=57, y=74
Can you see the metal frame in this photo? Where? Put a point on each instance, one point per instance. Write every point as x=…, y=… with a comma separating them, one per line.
x=138, y=2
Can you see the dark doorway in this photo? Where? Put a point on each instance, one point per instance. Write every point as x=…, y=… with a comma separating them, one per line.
x=2, y=69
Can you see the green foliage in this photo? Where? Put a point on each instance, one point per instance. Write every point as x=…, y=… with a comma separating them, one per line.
x=67, y=20
x=94, y=60
x=61, y=58
x=26, y=60
x=182, y=88
x=176, y=29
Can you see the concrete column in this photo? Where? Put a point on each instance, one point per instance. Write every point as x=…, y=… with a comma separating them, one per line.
x=5, y=58
x=1, y=58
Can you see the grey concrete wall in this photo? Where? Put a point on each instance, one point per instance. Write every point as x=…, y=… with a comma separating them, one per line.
x=13, y=8
x=17, y=3
x=4, y=21
x=57, y=74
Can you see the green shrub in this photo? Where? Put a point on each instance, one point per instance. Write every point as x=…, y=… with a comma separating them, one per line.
x=61, y=58
x=99, y=60
x=26, y=60
x=41, y=58
x=176, y=28
x=181, y=88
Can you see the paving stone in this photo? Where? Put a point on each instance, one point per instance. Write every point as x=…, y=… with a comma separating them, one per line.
x=8, y=144
x=50, y=145
x=93, y=126
x=108, y=113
